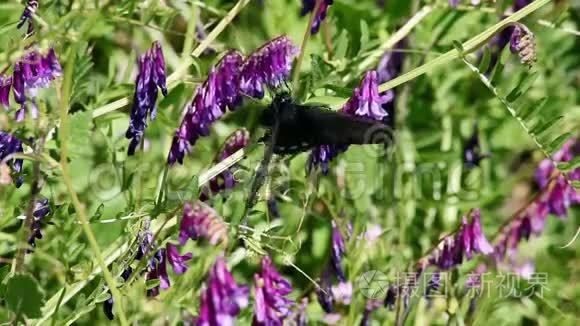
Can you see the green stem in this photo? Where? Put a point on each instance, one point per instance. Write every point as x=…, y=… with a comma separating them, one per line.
x=469, y=46
x=305, y=39
x=188, y=43
x=79, y=208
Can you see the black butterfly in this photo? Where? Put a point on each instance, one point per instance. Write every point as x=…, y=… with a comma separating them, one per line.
x=294, y=128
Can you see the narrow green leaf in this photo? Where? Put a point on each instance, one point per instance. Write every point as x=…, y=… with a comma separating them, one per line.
x=364, y=36
x=497, y=72
x=543, y=127
x=535, y=107
x=569, y=166
x=459, y=47
x=485, y=60
x=576, y=184
x=557, y=143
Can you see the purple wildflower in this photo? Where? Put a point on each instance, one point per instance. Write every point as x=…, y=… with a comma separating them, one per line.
x=338, y=252
x=29, y=10
x=323, y=292
x=468, y=239
x=41, y=211
x=176, y=260
x=151, y=75
x=108, y=304
x=453, y=3
x=365, y=102
x=342, y=293
x=237, y=140
x=300, y=317
x=5, y=85
x=269, y=66
x=200, y=220
x=145, y=239
x=519, y=4
x=222, y=299
x=10, y=145
x=272, y=306
x=157, y=269
x=273, y=209
x=309, y=6
x=522, y=43
x=33, y=71
x=370, y=306
x=472, y=154
x=218, y=92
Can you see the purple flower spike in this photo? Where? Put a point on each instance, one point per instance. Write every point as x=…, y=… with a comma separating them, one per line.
x=29, y=10
x=151, y=75
x=453, y=3
x=200, y=220
x=222, y=299
x=269, y=66
x=219, y=92
x=366, y=101
x=468, y=239
x=11, y=145
x=177, y=261
x=272, y=306
x=309, y=6
x=479, y=242
x=41, y=211
x=522, y=43
x=237, y=140
x=338, y=252
x=5, y=85
x=33, y=71
x=158, y=270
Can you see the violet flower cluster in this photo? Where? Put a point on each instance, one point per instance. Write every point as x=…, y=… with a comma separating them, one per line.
x=466, y=241
x=330, y=294
x=522, y=43
x=227, y=82
x=10, y=145
x=40, y=212
x=26, y=17
x=272, y=306
x=200, y=220
x=222, y=298
x=365, y=102
x=32, y=72
x=319, y=16
x=151, y=75
x=556, y=197
x=237, y=140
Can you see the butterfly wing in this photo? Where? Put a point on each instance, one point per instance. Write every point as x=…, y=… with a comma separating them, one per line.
x=312, y=126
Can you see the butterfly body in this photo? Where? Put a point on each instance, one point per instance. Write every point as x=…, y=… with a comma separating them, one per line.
x=302, y=127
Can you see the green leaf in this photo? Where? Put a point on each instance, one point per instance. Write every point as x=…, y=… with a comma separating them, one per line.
x=80, y=134
x=459, y=47
x=531, y=109
x=103, y=297
x=576, y=184
x=557, y=143
x=524, y=84
x=364, y=36
x=153, y=283
x=569, y=166
x=23, y=296
x=342, y=45
x=543, y=127
x=485, y=60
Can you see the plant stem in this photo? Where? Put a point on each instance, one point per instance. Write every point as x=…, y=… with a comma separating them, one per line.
x=193, y=20
x=307, y=34
x=64, y=95
x=469, y=46
x=34, y=190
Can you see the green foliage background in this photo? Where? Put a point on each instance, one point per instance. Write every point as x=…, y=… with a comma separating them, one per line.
x=417, y=191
